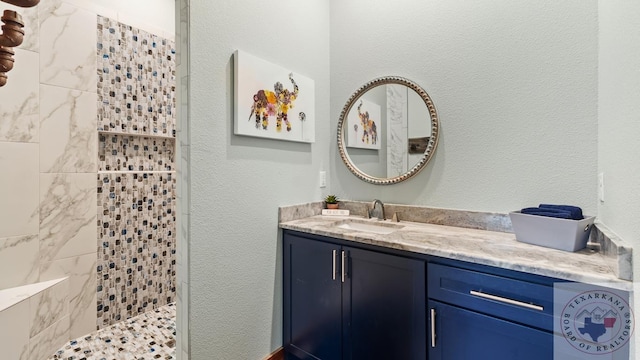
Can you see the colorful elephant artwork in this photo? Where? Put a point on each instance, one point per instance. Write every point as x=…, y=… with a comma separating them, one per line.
x=267, y=103
x=365, y=124
x=278, y=102
x=368, y=126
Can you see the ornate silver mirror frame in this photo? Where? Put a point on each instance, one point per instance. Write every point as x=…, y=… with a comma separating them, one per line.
x=431, y=144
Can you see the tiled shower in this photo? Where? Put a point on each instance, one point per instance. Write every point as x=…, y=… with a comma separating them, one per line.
x=136, y=176
x=87, y=139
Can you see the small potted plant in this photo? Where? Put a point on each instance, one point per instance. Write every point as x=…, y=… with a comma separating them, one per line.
x=331, y=201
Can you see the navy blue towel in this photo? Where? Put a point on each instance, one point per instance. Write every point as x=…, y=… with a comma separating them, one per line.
x=556, y=213
x=576, y=212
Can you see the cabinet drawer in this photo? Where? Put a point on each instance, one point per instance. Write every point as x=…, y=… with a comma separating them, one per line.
x=516, y=300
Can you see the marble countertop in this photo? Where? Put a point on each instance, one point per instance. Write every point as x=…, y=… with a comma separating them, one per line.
x=494, y=248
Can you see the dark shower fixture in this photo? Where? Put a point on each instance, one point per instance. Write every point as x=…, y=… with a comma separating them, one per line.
x=23, y=3
x=12, y=35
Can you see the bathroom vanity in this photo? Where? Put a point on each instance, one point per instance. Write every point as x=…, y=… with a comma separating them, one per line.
x=366, y=289
x=341, y=300
x=437, y=284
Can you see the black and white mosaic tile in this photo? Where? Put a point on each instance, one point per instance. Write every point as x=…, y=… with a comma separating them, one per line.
x=136, y=80
x=150, y=335
x=136, y=183
x=135, y=153
x=136, y=244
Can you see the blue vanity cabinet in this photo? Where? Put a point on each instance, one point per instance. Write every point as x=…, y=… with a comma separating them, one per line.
x=383, y=301
x=312, y=299
x=482, y=315
x=344, y=302
x=461, y=334
x=356, y=301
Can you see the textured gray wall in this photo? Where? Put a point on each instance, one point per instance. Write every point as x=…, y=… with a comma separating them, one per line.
x=237, y=183
x=515, y=86
x=619, y=125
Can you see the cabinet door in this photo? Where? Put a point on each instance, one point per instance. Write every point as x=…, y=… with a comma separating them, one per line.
x=384, y=304
x=312, y=300
x=461, y=334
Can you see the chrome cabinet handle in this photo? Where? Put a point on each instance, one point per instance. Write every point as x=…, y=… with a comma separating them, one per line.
x=506, y=300
x=334, y=253
x=433, y=328
x=343, y=261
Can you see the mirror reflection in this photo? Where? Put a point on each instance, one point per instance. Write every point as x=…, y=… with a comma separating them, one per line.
x=388, y=130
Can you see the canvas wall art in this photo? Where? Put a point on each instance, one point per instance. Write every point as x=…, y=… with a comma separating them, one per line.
x=364, y=130
x=272, y=101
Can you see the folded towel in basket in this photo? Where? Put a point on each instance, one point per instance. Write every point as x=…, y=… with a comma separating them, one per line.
x=556, y=213
x=576, y=212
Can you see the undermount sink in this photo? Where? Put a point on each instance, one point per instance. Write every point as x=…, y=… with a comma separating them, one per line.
x=368, y=226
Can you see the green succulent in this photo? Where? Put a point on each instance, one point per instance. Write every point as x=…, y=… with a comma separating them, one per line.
x=331, y=199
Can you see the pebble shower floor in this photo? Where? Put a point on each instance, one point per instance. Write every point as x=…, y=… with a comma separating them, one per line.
x=147, y=336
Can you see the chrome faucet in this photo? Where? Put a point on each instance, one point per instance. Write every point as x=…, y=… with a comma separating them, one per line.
x=380, y=213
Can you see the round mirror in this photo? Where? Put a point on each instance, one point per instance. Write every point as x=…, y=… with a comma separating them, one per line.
x=388, y=130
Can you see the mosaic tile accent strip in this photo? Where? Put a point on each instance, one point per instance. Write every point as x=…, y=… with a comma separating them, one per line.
x=147, y=336
x=136, y=244
x=136, y=80
x=135, y=153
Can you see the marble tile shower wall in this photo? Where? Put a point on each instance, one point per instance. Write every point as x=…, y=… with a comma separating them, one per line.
x=48, y=153
x=34, y=319
x=49, y=156
x=136, y=176
x=183, y=172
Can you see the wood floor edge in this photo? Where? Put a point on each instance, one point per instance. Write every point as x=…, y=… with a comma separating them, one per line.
x=278, y=354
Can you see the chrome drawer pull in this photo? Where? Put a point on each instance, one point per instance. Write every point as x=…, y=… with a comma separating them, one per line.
x=506, y=300
x=343, y=261
x=334, y=263
x=433, y=328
